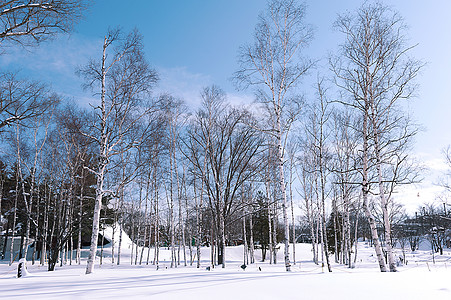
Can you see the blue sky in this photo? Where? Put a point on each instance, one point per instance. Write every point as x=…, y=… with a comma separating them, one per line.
x=194, y=43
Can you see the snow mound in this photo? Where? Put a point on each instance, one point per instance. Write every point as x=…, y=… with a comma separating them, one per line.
x=108, y=233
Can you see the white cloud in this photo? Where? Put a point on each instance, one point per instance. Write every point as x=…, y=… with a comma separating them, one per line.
x=414, y=196
x=62, y=56
x=55, y=62
x=182, y=83
x=429, y=190
x=241, y=99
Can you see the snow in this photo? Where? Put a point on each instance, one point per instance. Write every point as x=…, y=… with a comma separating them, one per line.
x=419, y=279
x=108, y=234
x=24, y=268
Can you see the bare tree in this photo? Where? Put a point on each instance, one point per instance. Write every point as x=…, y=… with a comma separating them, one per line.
x=40, y=130
x=345, y=143
x=70, y=122
x=125, y=82
x=174, y=114
x=317, y=136
x=375, y=72
x=307, y=192
x=26, y=22
x=273, y=66
x=227, y=150
x=445, y=180
x=22, y=99
x=292, y=151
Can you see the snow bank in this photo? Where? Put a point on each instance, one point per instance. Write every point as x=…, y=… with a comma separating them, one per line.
x=108, y=235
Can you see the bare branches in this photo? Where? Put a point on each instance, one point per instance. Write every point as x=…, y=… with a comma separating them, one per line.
x=273, y=60
x=273, y=66
x=26, y=22
x=22, y=99
x=125, y=80
x=223, y=152
x=375, y=73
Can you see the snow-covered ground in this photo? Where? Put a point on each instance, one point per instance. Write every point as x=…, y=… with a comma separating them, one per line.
x=419, y=279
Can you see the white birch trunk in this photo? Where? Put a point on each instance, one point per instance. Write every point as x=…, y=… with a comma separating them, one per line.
x=321, y=233
x=38, y=228
x=270, y=230
x=121, y=219
x=46, y=225
x=113, y=240
x=11, y=250
x=365, y=192
x=293, y=232
x=80, y=216
x=280, y=162
x=199, y=225
x=119, y=246
x=245, y=255
x=171, y=212
x=103, y=160
x=384, y=204
x=251, y=239
x=356, y=236
x=190, y=232
x=275, y=221
x=156, y=260
x=223, y=239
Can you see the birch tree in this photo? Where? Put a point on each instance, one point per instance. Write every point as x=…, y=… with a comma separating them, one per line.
x=291, y=151
x=307, y=185
x=40, y=129
x=317, y=135
x=70, y=122
x=273, y=66
x=375, y=72
x=174, y=113
x=125, y=80
x=345, y=143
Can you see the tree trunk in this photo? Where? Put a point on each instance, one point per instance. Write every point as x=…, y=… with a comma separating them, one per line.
x=171, y=214
x=337, y=251
x=293, y=232
x=212, y=247
x=324, y=234
x=190, y=232
x=286, y=225
x=365, y=192
x=245, y=256
x=80, y=217
x=356, y=238
x=45, y=233
x=96, y=219
x=156, y=259
x=121, y=221
x=270, y=231
x=384, y=202
x=275, y=222
x=222, y=241
x=13, y=228
x=251, y=239
x=198, y=238
x=103, y=161
x=5, y=240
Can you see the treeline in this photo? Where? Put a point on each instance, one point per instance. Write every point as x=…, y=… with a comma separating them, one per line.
x=217, y=175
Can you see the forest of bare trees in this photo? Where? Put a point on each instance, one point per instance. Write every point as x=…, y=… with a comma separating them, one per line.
x=289, y=168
